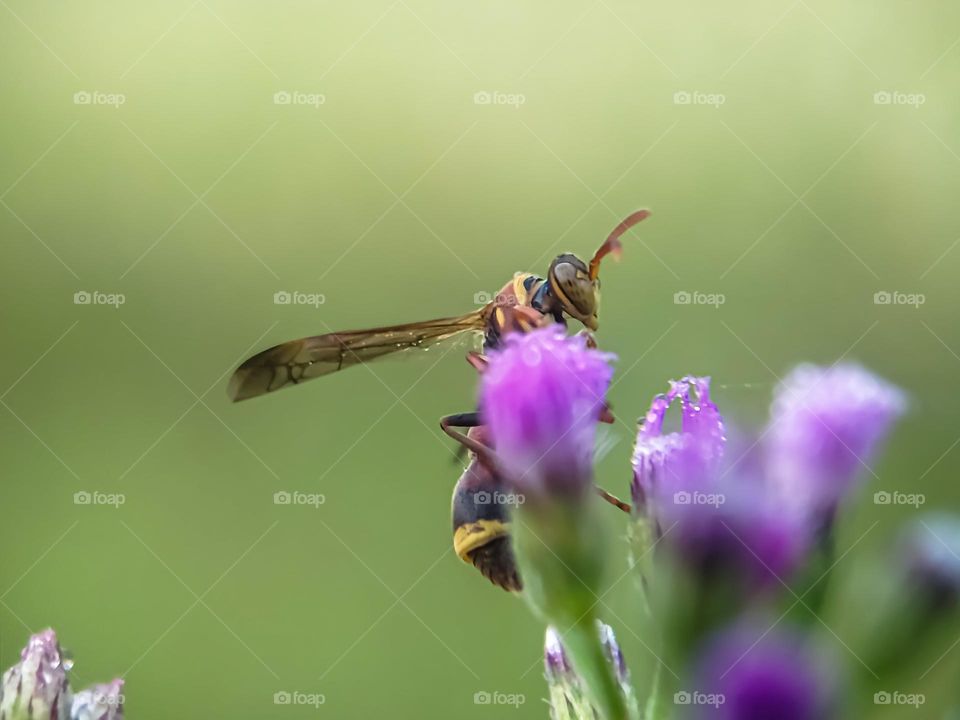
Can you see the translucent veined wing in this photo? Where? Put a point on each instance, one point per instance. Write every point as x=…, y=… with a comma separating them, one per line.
x=293, y=362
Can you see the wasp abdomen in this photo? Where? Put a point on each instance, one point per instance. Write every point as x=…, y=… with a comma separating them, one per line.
x=481, y=527
x=495, y=560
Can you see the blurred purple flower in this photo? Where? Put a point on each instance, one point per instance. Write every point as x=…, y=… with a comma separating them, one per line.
x=932, y=550
x=541, y=397
x=754, y=673
x=36, y=688
x=743, y=535
x=825, y=425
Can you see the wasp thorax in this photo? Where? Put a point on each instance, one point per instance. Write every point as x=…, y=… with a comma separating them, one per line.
x=579, y=296
x=481, y=525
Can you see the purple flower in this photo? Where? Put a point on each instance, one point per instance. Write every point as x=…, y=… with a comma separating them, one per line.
x=680, y=461
x=541, y=397
x=825, y=427
x=36, y=688
x=718, y=523
x=755, y=673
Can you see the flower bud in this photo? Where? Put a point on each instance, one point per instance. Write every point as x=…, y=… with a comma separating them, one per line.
x=36, y=688
x=100, y=702
x=567, y=698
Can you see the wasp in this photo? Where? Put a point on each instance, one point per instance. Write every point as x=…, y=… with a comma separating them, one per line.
x=571, y=289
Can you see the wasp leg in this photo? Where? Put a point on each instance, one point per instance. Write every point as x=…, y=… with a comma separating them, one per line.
x=461, y=420
x=468, y=420
x=477, y=361
x=612, y=499
x=606, y=416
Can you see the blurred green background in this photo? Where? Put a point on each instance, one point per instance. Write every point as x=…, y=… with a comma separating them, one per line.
x=388, y=185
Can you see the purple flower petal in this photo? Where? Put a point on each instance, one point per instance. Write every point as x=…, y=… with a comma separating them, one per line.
x=737, y=536
x=664, y=464
x=614, y=654
x=541, y=397
x=555, y=659
x=825, y=426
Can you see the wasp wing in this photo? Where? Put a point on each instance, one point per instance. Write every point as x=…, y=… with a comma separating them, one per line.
x=293, y=362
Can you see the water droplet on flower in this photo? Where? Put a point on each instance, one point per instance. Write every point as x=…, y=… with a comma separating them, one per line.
x=531, y=356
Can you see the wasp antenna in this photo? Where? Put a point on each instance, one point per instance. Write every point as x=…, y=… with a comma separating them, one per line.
x=611, y=245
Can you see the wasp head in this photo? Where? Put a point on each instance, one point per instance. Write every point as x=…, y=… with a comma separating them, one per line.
x=572, y=286
x=576, y=285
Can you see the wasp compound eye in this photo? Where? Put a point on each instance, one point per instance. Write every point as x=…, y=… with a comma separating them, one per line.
x=577, y=292
x=481, y=526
